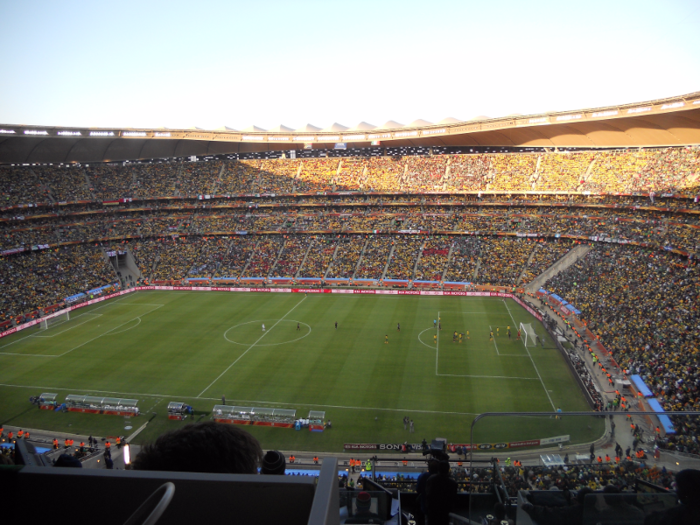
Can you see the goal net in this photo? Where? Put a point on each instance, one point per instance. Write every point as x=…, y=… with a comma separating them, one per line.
x=54, y=321
x=528, y=334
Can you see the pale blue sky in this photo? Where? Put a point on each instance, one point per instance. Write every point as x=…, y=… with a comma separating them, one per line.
x=209, y=63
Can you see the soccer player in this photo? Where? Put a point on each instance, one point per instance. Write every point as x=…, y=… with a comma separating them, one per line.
x=454, y=336
x=434, y=323
x=508, y=332
x=518, y=335
x=386, y=339
x=336, y=325
x=468, y=335
x=398, y=327
x=491, y=335
x=263, y=327
x=460, y=337
x=498, y=330
x=435, y=339
x=298, y=328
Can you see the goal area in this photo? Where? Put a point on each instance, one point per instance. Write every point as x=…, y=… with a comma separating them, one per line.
x=528, y=334
x=54, y=321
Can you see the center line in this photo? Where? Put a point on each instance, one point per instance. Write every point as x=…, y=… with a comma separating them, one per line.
x=251, y=347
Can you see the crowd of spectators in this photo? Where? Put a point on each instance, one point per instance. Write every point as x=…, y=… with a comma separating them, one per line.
x=503, y=260
x=661, y=171
x=38, y=279
x=375, y=258
x=424, y=174
x=237, y=178
x=403, y=259
x=317, y=175
x=346, y=257
x=545, y=255
x=642, y=304
x=289, y=262
x=563, y=171
x=433, y=259
x=384, y=173
x=265, y=255
x=465, y=257
x=199, y=178
x=350, y=175
x=511, y=172
x=319, y=257
x=277, y=176
x=240, y=248
x=176, y=257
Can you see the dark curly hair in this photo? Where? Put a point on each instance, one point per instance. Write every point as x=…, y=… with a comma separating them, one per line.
x=202, y=447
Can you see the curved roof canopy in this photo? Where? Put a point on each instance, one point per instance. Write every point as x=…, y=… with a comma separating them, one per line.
x=390, y=124
x=666, y=122
x=420, y=123
x=308, y=128
x=280, y=129
x=336, y=127
x=363, y=126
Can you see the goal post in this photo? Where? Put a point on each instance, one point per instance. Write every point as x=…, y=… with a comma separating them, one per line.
x=53, y=321
x=528, y=334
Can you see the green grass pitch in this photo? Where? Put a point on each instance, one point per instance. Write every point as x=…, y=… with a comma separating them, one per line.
x=195, y=347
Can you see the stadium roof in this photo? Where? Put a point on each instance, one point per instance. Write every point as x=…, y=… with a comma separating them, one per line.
x=666, y=122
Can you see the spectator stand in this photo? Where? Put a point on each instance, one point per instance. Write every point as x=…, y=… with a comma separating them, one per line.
x=112, y=406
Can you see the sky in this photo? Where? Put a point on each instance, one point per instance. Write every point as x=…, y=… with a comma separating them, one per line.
x=230, y=63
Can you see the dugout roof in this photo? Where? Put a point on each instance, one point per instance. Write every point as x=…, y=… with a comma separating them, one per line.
x=666, y=122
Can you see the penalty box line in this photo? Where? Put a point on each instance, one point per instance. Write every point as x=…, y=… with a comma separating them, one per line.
x=110, y=303
x=250, y=347
x=531, y=359
x=109, y=331
x=94, y=316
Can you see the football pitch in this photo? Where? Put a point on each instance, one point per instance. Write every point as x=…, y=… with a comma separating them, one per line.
x=366, y=374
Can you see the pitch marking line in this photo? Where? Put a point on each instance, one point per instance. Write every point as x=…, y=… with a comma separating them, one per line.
x=251, y=347
x=490, y=377
x=494, y=340
x=130, y=328
x=437, y=343
x=241, y=402
x=27, y=355
x=144, y=304
x=107, y=332
x=270, y=344
x=423, y=342
x=71, y=327
x=484, y=313
x=532, y=360
x=32, y=335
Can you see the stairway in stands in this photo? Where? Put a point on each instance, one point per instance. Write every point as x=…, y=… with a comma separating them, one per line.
x=562, y=264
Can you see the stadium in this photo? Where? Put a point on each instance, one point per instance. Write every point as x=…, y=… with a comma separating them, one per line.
x=361, y=294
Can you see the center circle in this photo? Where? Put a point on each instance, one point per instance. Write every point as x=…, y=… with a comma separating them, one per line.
x=252, y=330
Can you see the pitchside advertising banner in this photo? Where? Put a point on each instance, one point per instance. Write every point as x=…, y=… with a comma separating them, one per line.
x=452, y=447
x=271, y=290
